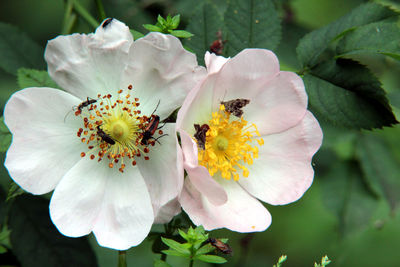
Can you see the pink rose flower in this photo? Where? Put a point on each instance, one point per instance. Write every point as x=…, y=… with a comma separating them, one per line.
x=246, y=136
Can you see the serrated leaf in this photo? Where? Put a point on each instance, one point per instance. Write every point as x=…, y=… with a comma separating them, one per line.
x=34, y=78
x=36, y=242
x=381, y=168
x=345, y=107
x=175, y=253
x=315, y=43
x=211, y=259
x=251, y=24
x=381, y=37
x=5, y=136
x=160, y=263
x=176, y=246
x=347, y=196
x=17, y=50
x=204, y=24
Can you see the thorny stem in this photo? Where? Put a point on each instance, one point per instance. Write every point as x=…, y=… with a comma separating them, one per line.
x=85, y=14
x=122, y=258
x=100, y=9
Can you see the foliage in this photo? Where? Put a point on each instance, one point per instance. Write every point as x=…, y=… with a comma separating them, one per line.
x=168, y=26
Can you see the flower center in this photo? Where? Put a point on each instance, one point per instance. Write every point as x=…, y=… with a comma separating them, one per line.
x=229, y=145
x=114, y=129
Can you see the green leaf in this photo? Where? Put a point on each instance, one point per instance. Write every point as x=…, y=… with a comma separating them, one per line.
x=251, y=24
x=211, y=259
x=34, y=78
x=176, y=246
x=183, y=234
x=36, y=242
x=204, y=24
x=381, y=37
x=136, y=35
x=345, y=193
x=175, y=253
x=152, y=28
x=160, y=263
x=181, y=34
x=381, y=168
x=5, y=136
x=161, y=21
x=345, y=93
x=315, y=43
x=175, y=21
x=205, y=249
x=14, y=191
x=17, y=50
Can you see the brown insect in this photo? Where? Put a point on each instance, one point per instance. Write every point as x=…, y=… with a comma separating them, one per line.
x=219, y=245
x=107, y=22
x=105, y=137
x=218, y=45
x=84, y=104
x=235, y=106
x=200, y=134
x=151, y=128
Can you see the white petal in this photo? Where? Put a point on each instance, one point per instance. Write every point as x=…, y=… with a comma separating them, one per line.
x=163, y=173
x=160, y=69
x=115, y=206
x=168, y=211
x=283, y=171
x=241, y=213
x=44, y=146
x=86, y=65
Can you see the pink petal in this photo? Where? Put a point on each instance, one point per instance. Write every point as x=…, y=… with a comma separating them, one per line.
x=44, y=146
x=240, y=213
x=86, y=65
x=160, y=69
x=213, y=62
x=283, y=171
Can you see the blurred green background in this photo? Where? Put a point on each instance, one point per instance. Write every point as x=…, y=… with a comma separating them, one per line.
x=313, y=226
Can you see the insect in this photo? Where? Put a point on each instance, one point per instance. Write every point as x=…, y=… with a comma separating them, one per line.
x=235, y=106
x=200, y=134
x=219, y=245
x=106, y=22
x=84, y=104
x=151, y=128
x=105, y=137
x=218, y=45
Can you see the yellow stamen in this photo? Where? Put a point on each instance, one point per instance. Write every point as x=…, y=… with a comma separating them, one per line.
x=229, y=145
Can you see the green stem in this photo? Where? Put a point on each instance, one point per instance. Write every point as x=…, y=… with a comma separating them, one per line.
x=100, y=9
x=191, y=263
x=85, y=14
x=69, y=18
x=122, y=258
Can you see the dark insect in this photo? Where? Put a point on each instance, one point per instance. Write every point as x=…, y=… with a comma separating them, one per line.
x=235, y=106
x=151, y=128
x=200, y=134
x=106, y=22
x=218, y=45
x=105, y=137
x=84, y=104
x=219, y=245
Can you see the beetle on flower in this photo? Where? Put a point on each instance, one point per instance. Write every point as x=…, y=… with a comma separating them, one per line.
x=246, y=135
x=105, y=180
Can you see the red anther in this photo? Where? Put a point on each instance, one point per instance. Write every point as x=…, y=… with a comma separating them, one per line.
x=160, y=132
x=146, y=150
x=121, y=170
x=83, y=154
x=79, y=134
x=146, y=158
x=90, y=147
x=130, y=87
x=91, y=156
x=109, y=96
x=116, y=160
x=85, y=119
x=136, y=99
x=99, y=95
x=138, y=111
x=119, y=91
x=110, y=165
x=134, y=162
x=77, y=112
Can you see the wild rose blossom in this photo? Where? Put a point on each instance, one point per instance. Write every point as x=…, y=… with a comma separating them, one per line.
x=246, y=135
x=88, y=143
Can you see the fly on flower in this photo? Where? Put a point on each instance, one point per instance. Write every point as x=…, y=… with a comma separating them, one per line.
x=104, y=179
x=257, y=143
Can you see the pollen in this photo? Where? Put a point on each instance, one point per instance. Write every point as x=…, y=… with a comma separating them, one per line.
x=231, y=144
x=113, y=128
